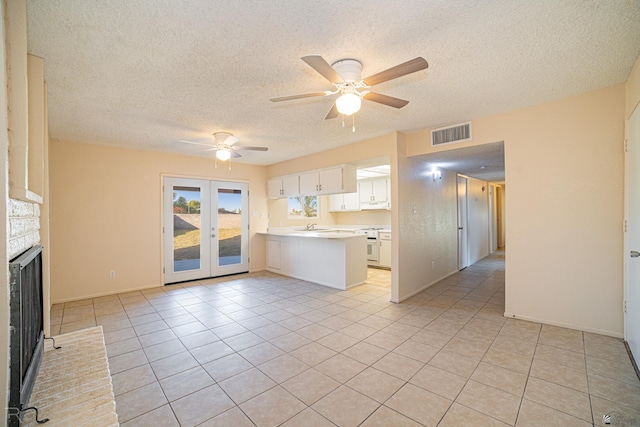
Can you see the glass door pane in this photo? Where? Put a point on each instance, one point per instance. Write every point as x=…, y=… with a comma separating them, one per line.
x=229, y=226
x=186, y=225
x=186, y=228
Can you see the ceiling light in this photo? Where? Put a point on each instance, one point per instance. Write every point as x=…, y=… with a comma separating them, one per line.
x=223, y=154
x=348, y=103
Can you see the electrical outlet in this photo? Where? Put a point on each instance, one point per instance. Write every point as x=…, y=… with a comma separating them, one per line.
x=112, y=274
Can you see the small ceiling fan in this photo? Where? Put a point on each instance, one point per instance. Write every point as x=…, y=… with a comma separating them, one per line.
x=346, y=76
x=224, y=146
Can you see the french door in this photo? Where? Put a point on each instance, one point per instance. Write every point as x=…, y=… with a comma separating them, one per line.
x=206, y=228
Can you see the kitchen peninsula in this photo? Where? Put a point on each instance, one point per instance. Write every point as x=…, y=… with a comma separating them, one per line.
x=331, y=257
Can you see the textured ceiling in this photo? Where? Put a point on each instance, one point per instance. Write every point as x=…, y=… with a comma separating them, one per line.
x=485, y=162
x=148, y=73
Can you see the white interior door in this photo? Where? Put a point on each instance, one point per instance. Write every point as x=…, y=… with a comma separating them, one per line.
x=463, y=241
x=632, y=236
x=205, y=229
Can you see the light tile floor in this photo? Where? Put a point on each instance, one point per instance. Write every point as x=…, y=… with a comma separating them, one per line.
x=266, y=350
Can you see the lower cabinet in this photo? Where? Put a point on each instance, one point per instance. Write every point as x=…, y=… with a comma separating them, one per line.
x=274, y=254
x=335, y=262
x=385, y=249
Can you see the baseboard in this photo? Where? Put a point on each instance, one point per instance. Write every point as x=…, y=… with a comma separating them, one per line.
x=104, y=294
x=564, y=325
x=428, y=285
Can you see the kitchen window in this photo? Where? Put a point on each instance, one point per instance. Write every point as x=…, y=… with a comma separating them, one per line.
x=303, y=207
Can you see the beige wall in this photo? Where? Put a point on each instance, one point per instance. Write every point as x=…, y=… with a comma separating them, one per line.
x=564, y=168
x=426, y=231
x=373, y=148
x=369, y=217
x=106, y=215
x=278, y=211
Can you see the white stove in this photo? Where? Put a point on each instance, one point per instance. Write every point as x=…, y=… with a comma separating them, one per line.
x=373, y=250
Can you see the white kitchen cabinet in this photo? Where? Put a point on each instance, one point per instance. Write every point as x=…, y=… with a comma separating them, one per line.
x=384, y=240
x=337, y=262
x=340, y=179
x=274, y=254
x=344, y=202
x=336, y=180
x=374, y=193
x=284, y=186
x=309, y=183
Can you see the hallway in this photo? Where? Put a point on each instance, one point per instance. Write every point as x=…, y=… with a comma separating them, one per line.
x=267, y=350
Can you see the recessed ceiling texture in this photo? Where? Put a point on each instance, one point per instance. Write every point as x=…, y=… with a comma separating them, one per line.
x=147, y=74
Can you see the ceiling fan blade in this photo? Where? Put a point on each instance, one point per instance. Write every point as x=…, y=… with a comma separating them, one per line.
x=303, y=95
x=318, y=63
x=333, y=112
x=385, y=99
x=231, y=140
x=244, y=147
x=197, y=143
x=403, y=69
x=235, y=155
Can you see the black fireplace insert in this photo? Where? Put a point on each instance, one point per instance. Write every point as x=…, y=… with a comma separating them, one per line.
x=26, y=330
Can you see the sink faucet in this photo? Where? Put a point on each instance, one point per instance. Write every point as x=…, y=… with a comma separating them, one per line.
x=311, y=226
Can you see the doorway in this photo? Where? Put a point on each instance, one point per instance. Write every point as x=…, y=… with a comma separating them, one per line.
x=463, y=241
x=206, y=229
x=632, y=236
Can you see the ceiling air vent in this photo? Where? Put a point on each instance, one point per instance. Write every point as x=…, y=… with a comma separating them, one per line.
x=451, y=134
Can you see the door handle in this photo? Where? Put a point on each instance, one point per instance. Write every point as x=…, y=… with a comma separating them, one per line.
x=635, y=254
x=460, y=228
x=213, y=235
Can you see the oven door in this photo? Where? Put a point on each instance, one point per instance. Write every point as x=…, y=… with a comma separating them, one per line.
x=372, y=251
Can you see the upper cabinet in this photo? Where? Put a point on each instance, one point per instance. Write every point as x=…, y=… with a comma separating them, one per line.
x=344, y=202
x=285, y=186
x=340, y=179
x=374, y=193
x=329, y=181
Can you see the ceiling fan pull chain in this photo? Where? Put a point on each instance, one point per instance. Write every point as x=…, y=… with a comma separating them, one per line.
x=216, y=162
x=343, y=121
x=353, y=122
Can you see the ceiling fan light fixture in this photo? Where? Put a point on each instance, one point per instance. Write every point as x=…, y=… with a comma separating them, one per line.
x=223, y=155
x=348, y=103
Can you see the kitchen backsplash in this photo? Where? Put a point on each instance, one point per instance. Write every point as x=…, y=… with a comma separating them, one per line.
x=278, y=216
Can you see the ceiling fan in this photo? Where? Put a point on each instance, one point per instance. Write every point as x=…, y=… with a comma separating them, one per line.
x=346, y=76
x=224, y=145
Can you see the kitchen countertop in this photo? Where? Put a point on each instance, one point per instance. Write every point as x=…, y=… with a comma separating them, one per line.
x=322, y=233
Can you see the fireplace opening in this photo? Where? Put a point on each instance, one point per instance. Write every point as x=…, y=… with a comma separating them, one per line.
x=26, y=330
